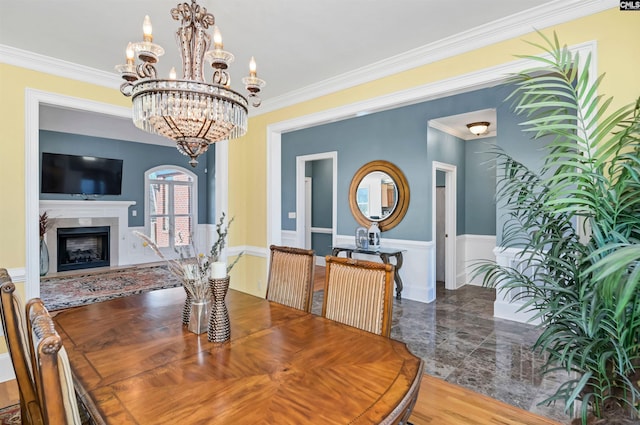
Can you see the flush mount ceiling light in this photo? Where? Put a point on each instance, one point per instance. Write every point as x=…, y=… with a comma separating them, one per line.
x=190, y=111
x=479, y=127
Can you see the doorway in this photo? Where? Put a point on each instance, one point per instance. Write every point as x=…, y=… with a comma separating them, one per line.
x=444, y=200
x=316, y=202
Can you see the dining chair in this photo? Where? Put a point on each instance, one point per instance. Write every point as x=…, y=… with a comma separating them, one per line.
x=291, y=277
x=359, y=293
x=52, y=372
x=16, y=337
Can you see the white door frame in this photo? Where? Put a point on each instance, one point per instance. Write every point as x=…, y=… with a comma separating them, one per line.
x=33, y=100
x=300, y=194
x=450, y=219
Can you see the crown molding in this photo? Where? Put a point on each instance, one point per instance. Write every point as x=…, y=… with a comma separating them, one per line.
x=48, y=65
x=540, y=17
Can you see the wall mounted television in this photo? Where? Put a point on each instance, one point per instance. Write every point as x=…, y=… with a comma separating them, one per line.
x=80, y=175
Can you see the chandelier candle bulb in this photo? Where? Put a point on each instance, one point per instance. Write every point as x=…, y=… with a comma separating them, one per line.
x=130, y=54
x=252, y=67
x=219, y=270
x=147, y=30
x=172, y=73
x=217, y=38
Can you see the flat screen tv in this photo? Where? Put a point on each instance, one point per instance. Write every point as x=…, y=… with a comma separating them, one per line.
x=80, y=175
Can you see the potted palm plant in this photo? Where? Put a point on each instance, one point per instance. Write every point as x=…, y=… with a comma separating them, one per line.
x=575, y=222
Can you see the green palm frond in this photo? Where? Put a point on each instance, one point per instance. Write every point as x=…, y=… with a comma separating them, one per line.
x=581, y=283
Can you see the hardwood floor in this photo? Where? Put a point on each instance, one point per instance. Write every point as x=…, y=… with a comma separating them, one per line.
x=440, y=402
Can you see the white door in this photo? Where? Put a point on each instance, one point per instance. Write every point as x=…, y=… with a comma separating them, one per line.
x=440, y=233
x=308, y=209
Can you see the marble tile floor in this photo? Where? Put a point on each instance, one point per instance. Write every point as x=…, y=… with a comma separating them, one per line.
x=462, y=343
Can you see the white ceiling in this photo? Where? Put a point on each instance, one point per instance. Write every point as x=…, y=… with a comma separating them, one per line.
x=297, y=43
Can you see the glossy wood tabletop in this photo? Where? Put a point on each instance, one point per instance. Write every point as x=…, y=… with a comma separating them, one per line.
x=134, y=363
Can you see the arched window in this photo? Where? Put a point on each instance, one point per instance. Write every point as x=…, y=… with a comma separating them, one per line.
x=170, y=206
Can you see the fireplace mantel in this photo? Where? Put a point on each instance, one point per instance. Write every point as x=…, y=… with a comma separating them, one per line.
x=87, y=211
x=76, y=209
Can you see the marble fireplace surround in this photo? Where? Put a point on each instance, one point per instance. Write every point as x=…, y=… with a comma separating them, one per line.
x=88, y=214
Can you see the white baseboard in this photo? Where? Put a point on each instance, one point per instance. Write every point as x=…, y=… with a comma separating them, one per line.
x=320, y=261
x=471, y=249
x=504, y=306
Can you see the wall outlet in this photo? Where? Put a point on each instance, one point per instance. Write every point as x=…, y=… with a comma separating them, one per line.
x=134, y=213
x=292, y=214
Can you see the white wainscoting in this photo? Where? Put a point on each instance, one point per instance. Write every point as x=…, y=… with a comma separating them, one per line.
x=504, y=306
x=289, y=238
x=418, y=260
x=469, y=250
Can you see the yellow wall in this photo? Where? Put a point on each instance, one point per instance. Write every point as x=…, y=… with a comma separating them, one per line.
x=618, y=55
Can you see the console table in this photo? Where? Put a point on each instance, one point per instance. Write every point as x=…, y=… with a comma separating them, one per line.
x=384, y=253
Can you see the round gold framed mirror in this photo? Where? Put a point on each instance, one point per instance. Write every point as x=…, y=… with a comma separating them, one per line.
x=379, y=192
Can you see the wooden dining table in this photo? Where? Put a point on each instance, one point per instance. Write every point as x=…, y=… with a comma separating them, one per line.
x=133, y=362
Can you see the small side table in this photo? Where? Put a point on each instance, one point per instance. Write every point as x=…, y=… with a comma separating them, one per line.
x=384, y=253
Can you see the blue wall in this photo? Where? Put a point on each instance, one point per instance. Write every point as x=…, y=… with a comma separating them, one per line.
x=443, y=147
x=137, y=158
x=402, y=137
x=480, y=187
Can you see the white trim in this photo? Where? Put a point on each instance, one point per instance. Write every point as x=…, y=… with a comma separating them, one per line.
x=33, y=99
x=254, y=251
x=193, y=189
x=513, y=26
x=450, y=262
x=471, y=249
x=540, y=17
x=504, y=307
x=324, y=230
x=300, y=197
x=49, y=65
x=289, y=237
x=221, y=185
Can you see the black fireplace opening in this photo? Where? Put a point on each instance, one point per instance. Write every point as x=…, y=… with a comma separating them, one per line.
x=83, y=247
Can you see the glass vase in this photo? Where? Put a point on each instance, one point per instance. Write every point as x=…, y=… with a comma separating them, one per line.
x=219, y=324
x=44, y=258
x=199, y=316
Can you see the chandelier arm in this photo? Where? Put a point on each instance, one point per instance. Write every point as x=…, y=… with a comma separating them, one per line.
x=126, y=88
x=146, y=70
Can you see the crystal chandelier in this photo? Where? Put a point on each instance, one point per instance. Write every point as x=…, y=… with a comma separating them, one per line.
x=190, y=111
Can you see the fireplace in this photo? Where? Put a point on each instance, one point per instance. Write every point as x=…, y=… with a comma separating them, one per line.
x=83, y=247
